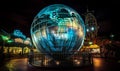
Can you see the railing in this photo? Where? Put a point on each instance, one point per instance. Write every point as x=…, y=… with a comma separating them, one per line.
x=41, y=60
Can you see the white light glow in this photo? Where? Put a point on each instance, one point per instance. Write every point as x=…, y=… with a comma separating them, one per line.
x=92, y=28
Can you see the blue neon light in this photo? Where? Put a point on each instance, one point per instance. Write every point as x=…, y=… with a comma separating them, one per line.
x=18, y=33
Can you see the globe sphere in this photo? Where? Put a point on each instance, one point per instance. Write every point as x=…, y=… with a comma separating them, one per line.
x=58, y=31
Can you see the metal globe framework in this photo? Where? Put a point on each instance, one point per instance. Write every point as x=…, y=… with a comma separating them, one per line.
x=58, y=31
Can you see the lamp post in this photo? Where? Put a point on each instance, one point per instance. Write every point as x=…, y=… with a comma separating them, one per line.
x=4, y=39
x=9, y=41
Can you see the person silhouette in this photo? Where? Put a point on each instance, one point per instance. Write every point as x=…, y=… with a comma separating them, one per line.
x=31, y=56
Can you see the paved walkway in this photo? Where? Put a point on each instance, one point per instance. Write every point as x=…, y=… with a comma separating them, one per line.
x=99, y=64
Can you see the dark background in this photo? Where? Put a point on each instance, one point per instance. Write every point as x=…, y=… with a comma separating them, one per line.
x=19, y=14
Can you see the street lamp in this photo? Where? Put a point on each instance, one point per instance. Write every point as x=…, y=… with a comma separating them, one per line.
x=112, y=36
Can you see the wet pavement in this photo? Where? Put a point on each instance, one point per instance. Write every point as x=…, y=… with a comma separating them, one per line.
x=99, y=64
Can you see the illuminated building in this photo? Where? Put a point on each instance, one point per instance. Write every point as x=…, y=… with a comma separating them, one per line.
x=14, y=44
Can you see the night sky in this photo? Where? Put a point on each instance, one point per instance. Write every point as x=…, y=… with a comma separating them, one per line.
x=19, y=14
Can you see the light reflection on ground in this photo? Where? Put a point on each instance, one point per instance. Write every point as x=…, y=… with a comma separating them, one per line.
x=99, y=64
x=17, y=64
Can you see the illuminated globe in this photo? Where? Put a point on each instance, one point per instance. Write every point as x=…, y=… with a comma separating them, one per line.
x=58, y=31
